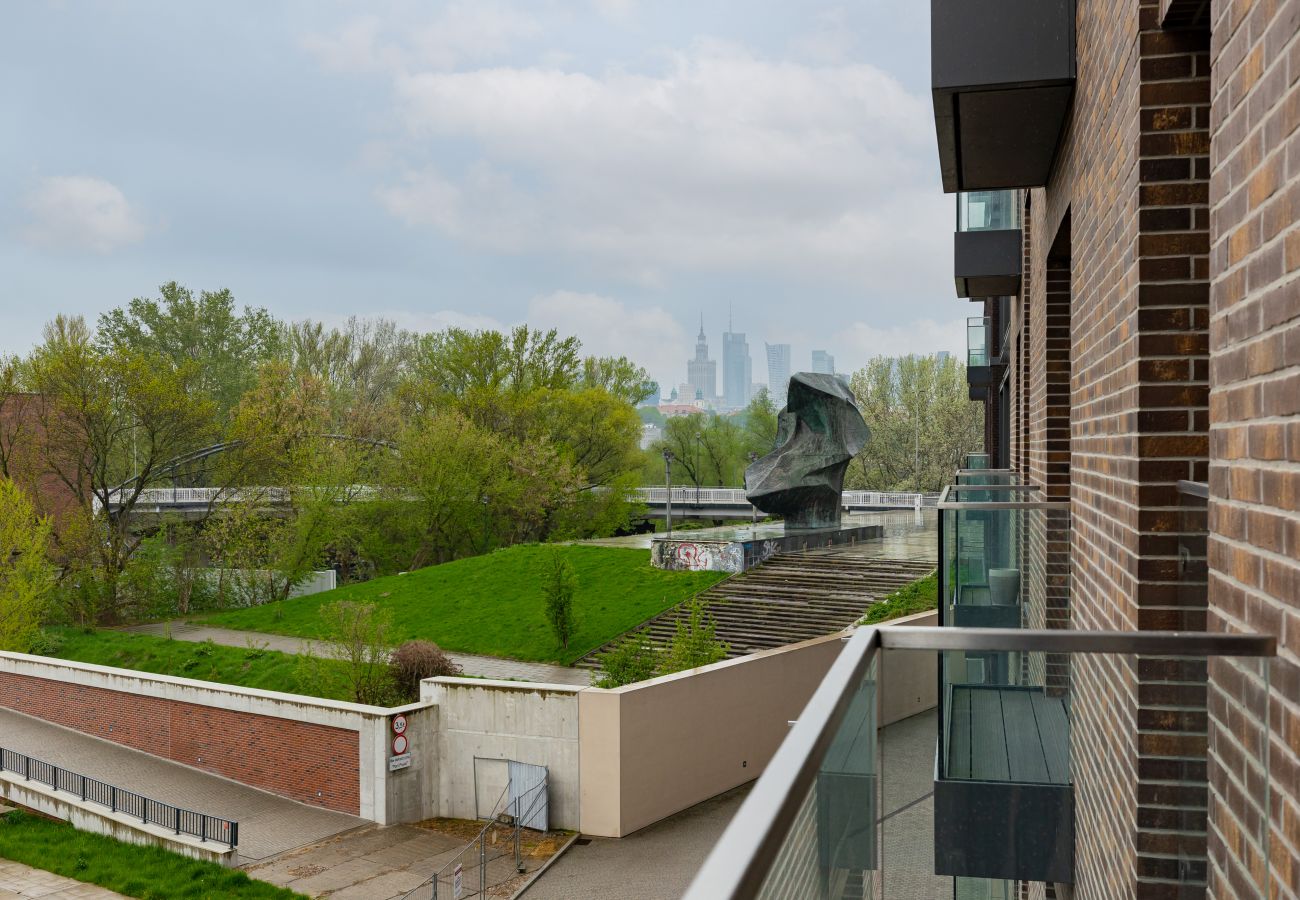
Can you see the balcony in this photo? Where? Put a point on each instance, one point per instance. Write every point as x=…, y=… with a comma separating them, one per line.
x=1001, y=76
x=986, y=245
x=982, y=374
x=796, y=837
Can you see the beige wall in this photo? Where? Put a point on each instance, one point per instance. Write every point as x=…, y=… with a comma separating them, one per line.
x=655, y=748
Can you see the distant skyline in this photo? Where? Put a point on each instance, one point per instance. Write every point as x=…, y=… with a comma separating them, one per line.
x=605, y=167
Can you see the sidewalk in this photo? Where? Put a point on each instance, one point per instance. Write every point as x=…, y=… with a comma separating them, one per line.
x=267, y=824
x=481, y=666
x=20, y=881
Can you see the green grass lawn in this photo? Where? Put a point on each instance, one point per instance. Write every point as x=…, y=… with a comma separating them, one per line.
x=253, y=667
x=148, y=872
x=919, y=596
x=493, y=604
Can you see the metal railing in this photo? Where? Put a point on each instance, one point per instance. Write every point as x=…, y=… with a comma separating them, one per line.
x=736, y=497
x=119, y=800
x=501, y=835
x=740, y=863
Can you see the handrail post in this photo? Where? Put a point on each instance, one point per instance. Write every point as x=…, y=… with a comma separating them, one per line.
x=27, y=768
x=482, y=865
x=234, y=836
x=203, y=828
x=178, y=819
x=112, y=797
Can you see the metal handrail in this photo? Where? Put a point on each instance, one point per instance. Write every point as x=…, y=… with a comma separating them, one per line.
x=946, y=503
x=146, y=809
x=743, y=856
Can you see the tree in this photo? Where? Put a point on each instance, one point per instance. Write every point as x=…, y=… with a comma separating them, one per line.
x=695, y=642
x=921, y=423
x=358, y=635
x=414, y=661
x=227, y=344
x=107, y=424
x=26, y=576
x=559, y=584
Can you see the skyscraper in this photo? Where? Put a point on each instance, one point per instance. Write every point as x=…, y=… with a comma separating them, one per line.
x=737, y=368
x=702, y=372
x=823, y=362
x=778, y=372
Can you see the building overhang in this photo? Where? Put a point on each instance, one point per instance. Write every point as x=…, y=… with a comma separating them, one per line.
x=987, y=263
x=1002, y=78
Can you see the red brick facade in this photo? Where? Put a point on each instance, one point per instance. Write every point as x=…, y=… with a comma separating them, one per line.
x=1157, y=340
x=1254, y=453
x=311, y=763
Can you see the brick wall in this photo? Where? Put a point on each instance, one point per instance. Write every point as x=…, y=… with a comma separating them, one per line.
x=311, y=763
x=1254, y=547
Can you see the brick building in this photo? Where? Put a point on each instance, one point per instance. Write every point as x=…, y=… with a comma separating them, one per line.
x=1141, y=317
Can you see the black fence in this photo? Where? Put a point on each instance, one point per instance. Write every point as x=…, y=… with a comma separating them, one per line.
x=116, y=799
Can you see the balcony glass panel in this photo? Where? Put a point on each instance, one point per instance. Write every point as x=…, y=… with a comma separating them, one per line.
x=988, y=211
x=974, y=475
x=831, y=848
x=850, y=806
x=975, y=461
x=977, y=341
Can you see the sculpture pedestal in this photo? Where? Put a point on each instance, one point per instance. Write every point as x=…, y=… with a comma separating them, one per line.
x=735, y=549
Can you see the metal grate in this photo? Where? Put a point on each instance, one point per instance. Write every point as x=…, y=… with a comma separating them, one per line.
x=116, y=799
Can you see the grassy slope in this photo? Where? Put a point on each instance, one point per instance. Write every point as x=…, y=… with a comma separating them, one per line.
x=147, y=872
x=253, y=668
x=919, y=596
x=493, y=604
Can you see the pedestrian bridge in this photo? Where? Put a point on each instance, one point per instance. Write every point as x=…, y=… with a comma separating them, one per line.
x=731, y=503
x=687, y=502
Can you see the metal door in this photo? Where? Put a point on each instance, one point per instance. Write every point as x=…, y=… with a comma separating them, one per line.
x=528, y=795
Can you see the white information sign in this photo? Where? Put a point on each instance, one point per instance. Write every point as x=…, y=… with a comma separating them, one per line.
x=399, y=762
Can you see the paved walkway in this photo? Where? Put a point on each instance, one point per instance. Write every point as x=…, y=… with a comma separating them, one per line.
x=481, y=666
x=267, y=824
x=655, y=863
x=20, y=881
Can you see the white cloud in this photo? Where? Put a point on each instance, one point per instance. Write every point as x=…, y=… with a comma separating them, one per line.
x=79, y=212
x=648, y=335
x=460, y=32
x=861, y=341
x=723, y=161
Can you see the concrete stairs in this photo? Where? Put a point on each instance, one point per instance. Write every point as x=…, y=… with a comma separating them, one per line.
x=791, y=597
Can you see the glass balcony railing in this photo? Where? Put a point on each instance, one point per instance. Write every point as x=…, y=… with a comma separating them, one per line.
x=850, y=808
x=975, y=461
x=972, y=476
x=988, y=211
x=977, y=341
x=1003, y=558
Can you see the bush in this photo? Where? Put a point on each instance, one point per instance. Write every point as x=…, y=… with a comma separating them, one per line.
x=632, y=659
x=695, y=643
x=45, y=643
x=415, y=661
x=919, y=596
x=560, y=585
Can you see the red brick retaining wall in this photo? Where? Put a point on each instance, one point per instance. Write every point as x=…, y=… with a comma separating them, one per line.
x=311, y=763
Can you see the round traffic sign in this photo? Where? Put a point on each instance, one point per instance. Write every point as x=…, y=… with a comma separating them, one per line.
x=400, y=745
x=399, y=724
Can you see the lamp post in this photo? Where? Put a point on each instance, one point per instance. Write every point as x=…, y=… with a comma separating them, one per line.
x=668, y=482
x=699, y=445
x=753, y=458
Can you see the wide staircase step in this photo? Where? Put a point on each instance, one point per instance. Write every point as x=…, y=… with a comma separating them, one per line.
x=789, y=598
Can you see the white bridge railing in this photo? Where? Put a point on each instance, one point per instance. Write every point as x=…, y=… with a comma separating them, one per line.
x=690, y=496
x=653, y=496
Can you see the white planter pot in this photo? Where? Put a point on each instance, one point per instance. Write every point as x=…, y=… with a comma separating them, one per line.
x=1004, y=587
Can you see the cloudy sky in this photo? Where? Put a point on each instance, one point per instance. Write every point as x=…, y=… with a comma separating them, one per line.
x=609, y=167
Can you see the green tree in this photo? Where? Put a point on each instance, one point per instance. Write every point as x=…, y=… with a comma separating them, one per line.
x=358, y=636
x=26, y=575
x=921, y=420
x=695, y=642
x=107, y=424
x=208, y=330
x=559, y=584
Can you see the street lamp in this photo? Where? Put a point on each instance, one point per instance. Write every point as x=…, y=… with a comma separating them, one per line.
x=668, y=482
x=753, y=458
x=699, y=446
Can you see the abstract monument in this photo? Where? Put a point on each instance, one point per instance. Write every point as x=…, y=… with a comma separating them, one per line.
x=818, y=433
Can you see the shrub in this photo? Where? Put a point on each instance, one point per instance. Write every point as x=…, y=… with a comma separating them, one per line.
x=415, y=661
x=45, y=643
x=918, y=596
x=632, y=659
x=695, y=643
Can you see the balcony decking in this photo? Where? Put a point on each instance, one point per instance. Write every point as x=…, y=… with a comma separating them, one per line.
x=1013, y=734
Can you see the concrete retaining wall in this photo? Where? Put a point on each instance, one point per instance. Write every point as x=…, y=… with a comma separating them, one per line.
x=653, y=749
x=500, y=720
x=321, y=752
